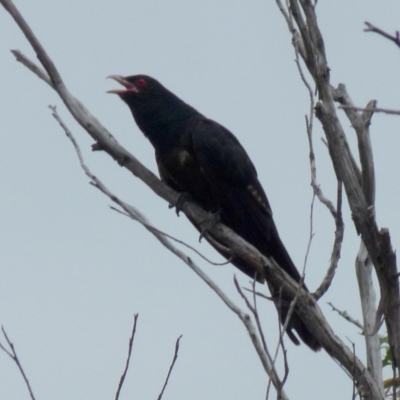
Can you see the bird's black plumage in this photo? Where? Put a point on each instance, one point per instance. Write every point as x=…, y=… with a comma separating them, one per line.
x=198, y=156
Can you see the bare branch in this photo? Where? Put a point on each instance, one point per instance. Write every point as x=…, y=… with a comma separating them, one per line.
x=40, y=72
x=361, y=121
x=337, y=247
x=347, y=172
x=354, y=382
x=311, y=235
x=13, y=355
x=372, y=28
x=278, y=277
x=253, y=309
x=376, y=109
x=171, y=367
x=296, y=38
x=316, y=187
x=259, y=294
x=306, y=306
x=273, y=377
x=176, y=240
x=123, y=376
x=347, y=316
x=377, y=242
x=137, y=216
x=364, y=270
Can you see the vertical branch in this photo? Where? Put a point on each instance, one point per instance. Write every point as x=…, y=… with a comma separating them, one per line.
x=364, y=266
x=377, y=242
x=123, y=376
x=336, y=213
x=171, y=367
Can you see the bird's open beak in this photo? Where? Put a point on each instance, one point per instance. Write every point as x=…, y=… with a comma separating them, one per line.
x=129, y=87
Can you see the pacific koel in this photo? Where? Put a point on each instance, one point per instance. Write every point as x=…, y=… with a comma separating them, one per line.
x=199, y=157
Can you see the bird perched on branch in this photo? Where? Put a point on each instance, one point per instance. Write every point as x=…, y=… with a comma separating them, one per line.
x=200, y=158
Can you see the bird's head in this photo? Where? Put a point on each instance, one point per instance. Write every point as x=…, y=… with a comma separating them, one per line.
x=146, y=96
x=138, y=88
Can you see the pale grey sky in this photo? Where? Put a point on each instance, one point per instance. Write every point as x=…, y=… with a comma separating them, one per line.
x=73, y=272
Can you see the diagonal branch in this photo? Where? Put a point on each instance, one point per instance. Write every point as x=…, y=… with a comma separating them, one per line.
x=372, y=28
x=306, y=306
x=137, y=216
x=171, y=367
x=13, y=355
x=131, y=339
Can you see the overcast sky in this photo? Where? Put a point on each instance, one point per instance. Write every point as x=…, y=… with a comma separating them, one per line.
x=73, y=272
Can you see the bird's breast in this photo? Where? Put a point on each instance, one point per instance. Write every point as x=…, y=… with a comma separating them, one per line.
x=182, y=171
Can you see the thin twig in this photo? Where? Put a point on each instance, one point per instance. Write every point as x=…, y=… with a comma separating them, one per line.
x=317, y=188
x=253, y=309
x=347, y=316
x=354, y=381
x=311, y=234
x=337, y=247
x=256, y=315
x=257, y=318
x=171, y=367
x=123, y=376
x=153, y=229
x=285, y=359
x=377, y=109
x=372, y=28
x=259, y=294
x=281, y=344
x=40, y=72
x=14, y=357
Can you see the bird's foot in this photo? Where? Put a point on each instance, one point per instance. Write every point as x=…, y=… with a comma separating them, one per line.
x=182, y=199
x=209, y=223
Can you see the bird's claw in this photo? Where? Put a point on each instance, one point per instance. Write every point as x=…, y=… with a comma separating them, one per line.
x=182, y=199
x=209, y=223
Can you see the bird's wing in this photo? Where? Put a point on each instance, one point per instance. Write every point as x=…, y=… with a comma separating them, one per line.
x=225, y=163
x=233, y=180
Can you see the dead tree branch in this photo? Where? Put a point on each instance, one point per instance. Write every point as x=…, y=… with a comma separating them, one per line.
x=337, y=246
x=306, y=306
x=13, y=355
x=131, y=339
x=372, y=28
x=358, y=185
x=336, y=214
x=376, y=109
x=137, y=216
x=171, y=367
x=347, y=316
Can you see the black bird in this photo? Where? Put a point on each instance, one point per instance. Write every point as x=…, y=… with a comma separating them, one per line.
x=201, y=158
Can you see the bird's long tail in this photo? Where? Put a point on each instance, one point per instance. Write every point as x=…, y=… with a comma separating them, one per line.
x=259, y=230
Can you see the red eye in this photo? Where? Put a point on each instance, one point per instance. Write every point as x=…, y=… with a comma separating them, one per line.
x=141, y=82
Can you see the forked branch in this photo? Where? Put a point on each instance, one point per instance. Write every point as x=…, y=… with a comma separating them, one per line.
x=306, y=307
